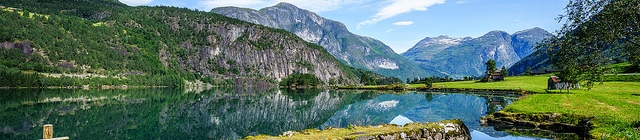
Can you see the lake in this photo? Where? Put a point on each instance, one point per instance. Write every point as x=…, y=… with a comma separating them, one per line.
x=229, y=113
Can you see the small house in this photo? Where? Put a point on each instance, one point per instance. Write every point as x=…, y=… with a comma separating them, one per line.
x=555, y=83
x=497, y=77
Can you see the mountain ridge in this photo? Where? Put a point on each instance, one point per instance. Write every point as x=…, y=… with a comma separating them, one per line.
x=103, y=37
x=459, y=57
x=355, y=50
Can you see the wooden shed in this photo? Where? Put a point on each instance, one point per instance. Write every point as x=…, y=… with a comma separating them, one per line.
x=497, y=77
x=555, y=83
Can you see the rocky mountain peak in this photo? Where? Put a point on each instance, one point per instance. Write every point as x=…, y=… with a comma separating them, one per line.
x=495, y=33
x=286, y=5
x=524, y=41
x=532, y=30
x=459, y=57
x=357, y=51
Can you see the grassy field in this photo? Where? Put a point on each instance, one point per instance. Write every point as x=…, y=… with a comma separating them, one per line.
x=615, y=105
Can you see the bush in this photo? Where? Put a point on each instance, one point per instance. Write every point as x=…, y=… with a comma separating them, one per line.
x=301, y=80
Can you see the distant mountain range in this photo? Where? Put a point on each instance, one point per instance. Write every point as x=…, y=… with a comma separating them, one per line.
x=458, y=57
x=357, y=51
x=443, y=55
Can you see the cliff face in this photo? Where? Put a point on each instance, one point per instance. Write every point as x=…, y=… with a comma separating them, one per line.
x=357, y=51
x=246, y=50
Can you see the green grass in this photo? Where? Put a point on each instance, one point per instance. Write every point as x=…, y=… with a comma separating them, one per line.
x=529, y=83
x=623, y=68
x=615, y=106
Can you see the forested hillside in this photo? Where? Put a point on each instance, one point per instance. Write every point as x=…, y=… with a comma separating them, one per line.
x=104, y=42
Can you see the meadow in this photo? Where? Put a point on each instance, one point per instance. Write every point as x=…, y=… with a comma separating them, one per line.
x=615, y=106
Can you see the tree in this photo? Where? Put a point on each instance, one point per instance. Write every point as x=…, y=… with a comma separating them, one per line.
x=504, y=71
x=528, y=71
x=428, y=83
x=590, y=28
x=491, y=66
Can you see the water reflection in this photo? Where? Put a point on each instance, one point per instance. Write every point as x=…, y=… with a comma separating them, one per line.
x=229, y=113
x=425, y=107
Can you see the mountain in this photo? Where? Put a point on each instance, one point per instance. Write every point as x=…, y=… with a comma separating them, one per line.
x=539, y=60
x=458, y=57
x=357, y=51
x=536, y=61
x=105, y=38
x=523, y=42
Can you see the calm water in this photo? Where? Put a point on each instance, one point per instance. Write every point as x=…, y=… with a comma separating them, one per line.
x=228, y=113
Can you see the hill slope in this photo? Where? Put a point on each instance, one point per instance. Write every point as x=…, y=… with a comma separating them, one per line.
x=357, y=51
x=105, y=37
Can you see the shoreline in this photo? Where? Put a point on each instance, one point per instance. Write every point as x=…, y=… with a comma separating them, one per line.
x=535, y=103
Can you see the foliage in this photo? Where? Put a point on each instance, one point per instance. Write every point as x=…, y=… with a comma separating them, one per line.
x=16, y=78
x=591, y=27
x=428, y=83
x=504, y=71
x=301, y=80
x=528, y=71
x=490, y=69
x=371, y=78
x=108, y=38
x=490, y=66
x=430, y=80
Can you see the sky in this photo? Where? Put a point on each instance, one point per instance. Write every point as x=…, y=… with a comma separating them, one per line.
x=402, y=23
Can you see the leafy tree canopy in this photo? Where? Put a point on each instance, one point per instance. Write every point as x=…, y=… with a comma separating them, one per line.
x=590, y=28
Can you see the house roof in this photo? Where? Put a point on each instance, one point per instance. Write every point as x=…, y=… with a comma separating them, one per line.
x=555, y=79
x=496, y=74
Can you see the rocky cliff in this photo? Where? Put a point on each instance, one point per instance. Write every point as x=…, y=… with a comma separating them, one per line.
x=460, y=57
x=357, y=51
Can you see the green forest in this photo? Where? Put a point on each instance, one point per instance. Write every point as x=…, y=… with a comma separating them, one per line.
x=120, y=45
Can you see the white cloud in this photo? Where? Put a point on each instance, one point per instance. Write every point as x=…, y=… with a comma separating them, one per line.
x=399, y=7
x=390, y=30
x=461, y=2
x=517, y=20
x=136, y=2
x=311, y=5
x=403, y=23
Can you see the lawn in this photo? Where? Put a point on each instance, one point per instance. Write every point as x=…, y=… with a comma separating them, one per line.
x=615, y=105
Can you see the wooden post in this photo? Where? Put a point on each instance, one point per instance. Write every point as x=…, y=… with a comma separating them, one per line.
x=47, y=132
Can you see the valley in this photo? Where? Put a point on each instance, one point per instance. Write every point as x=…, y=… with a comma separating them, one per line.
x=229, y=72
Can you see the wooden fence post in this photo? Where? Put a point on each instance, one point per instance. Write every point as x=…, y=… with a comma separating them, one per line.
x=47, y=132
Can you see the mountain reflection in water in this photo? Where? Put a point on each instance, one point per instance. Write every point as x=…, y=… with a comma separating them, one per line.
x=231, y=113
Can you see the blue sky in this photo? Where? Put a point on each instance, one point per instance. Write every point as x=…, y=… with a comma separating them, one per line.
x=402, y=23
